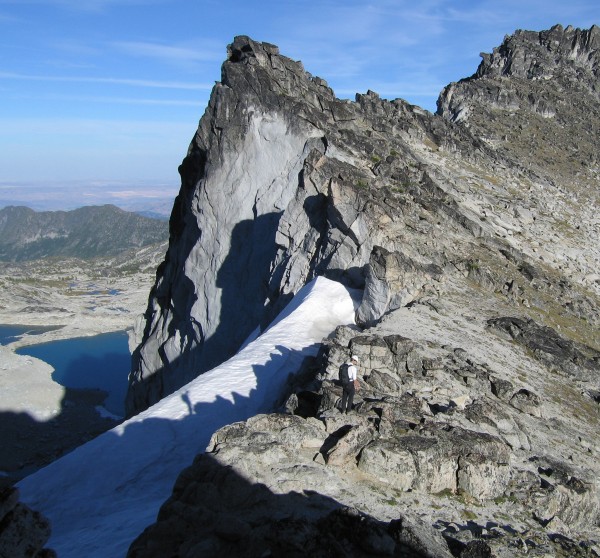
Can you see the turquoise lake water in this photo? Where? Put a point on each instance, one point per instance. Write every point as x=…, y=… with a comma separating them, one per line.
x=99, y=362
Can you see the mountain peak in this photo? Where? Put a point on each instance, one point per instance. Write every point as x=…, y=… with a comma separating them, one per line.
x=258, y=69
x=557, y=52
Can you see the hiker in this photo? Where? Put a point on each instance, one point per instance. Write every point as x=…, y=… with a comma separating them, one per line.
x=349, y=379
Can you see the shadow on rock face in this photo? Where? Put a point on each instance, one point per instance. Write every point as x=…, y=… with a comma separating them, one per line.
x=214, y=511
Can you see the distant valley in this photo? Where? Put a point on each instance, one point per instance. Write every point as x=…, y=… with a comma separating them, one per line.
x=89, y=270
x=85, y=272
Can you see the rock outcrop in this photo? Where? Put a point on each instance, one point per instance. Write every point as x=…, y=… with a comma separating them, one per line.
x=23, y=532
x=439, y=458
x=473, y=233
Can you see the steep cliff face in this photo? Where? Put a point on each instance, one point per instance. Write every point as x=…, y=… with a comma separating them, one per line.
x=474, y=235
x=239, y=176
x=274, y=191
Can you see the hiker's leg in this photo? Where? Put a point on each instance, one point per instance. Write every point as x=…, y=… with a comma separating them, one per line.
x=344, y=399
x=350, y=396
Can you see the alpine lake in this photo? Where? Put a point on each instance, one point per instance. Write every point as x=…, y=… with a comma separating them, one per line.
x=98, y=362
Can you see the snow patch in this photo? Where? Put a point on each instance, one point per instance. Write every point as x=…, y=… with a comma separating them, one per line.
x=101, y=496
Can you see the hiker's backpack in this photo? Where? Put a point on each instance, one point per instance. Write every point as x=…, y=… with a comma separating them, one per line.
x=343, y=373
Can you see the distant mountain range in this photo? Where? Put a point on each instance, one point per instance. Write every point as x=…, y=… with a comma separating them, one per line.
x=87, y=232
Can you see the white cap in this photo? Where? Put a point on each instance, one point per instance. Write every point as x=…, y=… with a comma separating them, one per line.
x=354, y=357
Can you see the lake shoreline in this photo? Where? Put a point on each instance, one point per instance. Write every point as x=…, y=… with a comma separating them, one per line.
x=41, y=419
x=100, y=362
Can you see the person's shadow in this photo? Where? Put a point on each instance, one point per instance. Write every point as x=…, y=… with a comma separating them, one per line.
x=103, y=494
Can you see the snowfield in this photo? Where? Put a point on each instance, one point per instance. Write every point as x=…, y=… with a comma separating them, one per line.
x=101, y=496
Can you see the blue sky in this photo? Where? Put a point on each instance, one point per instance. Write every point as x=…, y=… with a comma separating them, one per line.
x=109, y=92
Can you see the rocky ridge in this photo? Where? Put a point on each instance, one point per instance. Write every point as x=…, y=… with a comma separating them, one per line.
x=535, y=101
x=488, y=450
x=474, y=235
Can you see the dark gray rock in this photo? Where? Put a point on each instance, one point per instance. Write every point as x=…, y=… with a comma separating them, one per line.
x=501, y=388
x=526, y=401
x=393, y=280
x=573, y=358
x=437, y=459
x=353, y=191
x=274, y=524
x=23, y=531
x=382, y=383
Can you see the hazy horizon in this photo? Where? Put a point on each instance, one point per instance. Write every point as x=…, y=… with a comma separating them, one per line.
x=156, y=197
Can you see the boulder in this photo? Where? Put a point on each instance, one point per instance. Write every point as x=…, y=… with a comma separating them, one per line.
x=451, y=460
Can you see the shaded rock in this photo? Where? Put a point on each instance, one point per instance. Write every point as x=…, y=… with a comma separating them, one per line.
x=526, y=401
x=393, y=280
x=502, y=388
x=414, y=363
x=288, y=431
x=498, y=421
x=23, y=531
x=347, y=447
x=494, y=202
x=400, y=346
x=414, y=535
x=476, y=549
x=566, y=493
x=382, y=383
x=374, y=353
x=398, y=410
x=387, y=462
x=275, y=524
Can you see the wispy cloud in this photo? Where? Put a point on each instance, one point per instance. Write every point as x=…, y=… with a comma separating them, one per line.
x=128, y=100
x=4, y=18
x=88, y=127
x=206, y=52
x=109, y=80
x=76, y=47
x=150, y=102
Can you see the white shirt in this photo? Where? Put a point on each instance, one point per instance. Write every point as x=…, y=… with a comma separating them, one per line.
x=352, y=372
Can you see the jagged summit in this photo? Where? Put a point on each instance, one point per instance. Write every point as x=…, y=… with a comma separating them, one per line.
x=535, y=102
x=540, y=71
x=283, y=182
x=279, y=73
x=559, y=52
